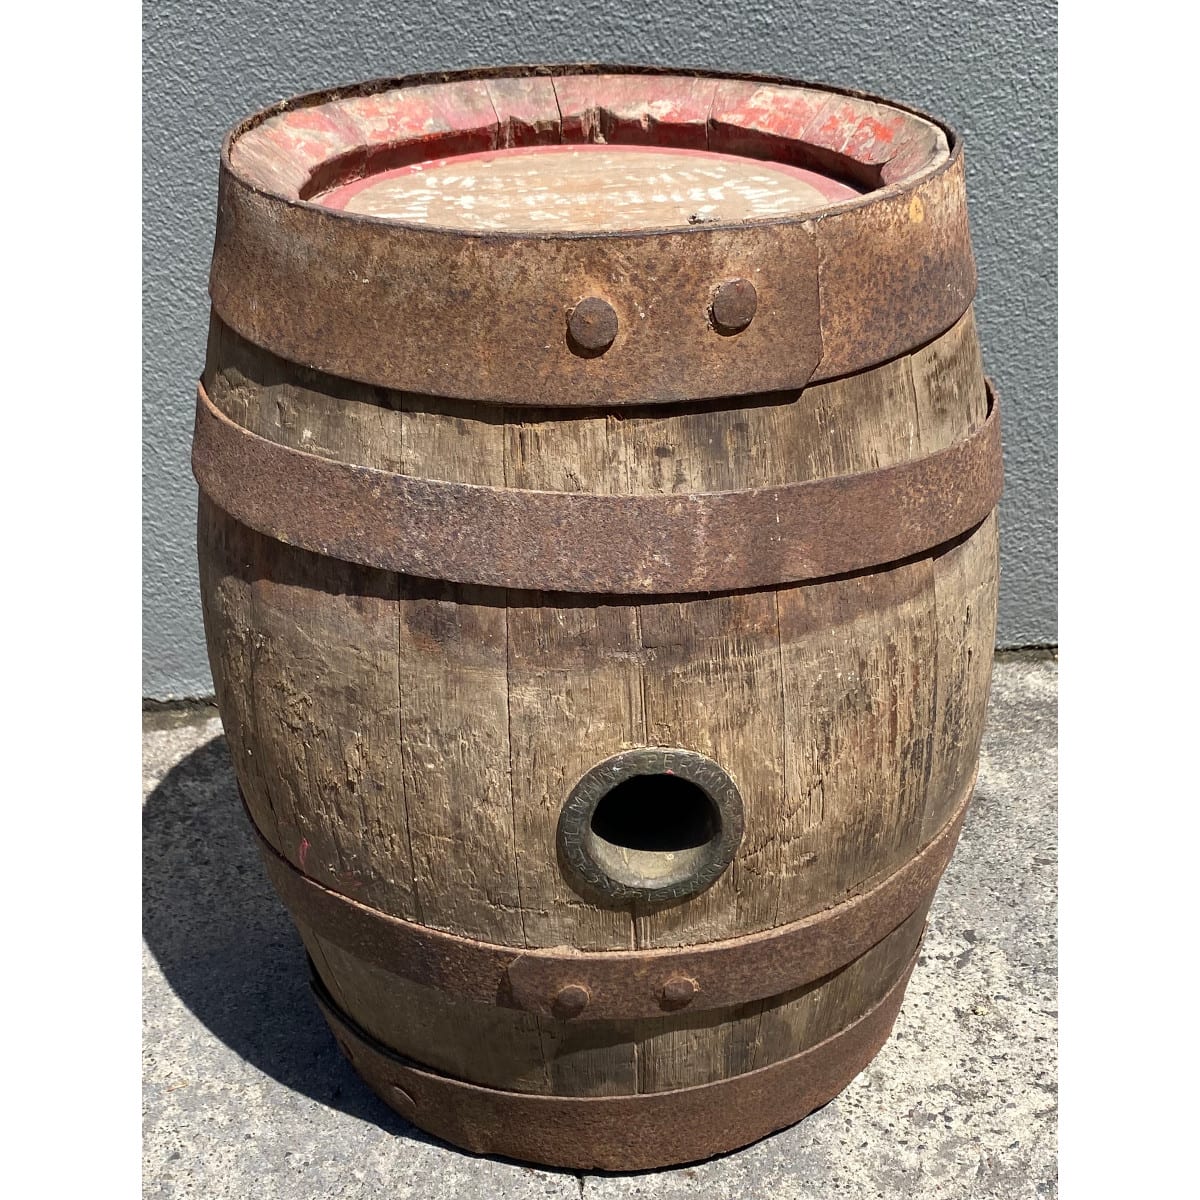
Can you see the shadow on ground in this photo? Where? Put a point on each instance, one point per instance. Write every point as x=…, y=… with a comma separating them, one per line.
x=224, y=941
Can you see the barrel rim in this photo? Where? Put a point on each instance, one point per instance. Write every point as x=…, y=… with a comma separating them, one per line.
x=486, y=315
x=371, y=87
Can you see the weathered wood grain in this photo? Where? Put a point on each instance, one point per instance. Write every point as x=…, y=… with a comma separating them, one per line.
x=227, y=553
x=327, y=702
x=526, y=110
x=948, y=384
x=454, y=737
x=966, y=579
x=454, y=721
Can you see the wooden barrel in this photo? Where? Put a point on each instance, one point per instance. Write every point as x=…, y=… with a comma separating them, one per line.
x=598, y=554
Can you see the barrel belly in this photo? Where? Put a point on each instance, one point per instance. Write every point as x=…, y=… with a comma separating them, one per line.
x=604, y=672
x=409, y=743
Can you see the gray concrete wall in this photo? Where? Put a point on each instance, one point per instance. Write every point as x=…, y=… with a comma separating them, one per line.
x=986, y=67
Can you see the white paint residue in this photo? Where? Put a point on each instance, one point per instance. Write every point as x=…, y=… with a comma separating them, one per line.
x=596, y=188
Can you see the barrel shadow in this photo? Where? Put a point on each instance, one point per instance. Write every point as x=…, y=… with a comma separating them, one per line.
x=226, y=945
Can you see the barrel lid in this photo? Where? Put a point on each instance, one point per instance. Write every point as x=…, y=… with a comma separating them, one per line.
x=575, y=151
x=590, y=186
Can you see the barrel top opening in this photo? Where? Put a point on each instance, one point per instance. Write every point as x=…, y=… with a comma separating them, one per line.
x=567, y=152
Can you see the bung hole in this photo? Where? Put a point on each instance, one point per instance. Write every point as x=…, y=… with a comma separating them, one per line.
x=657, y=824
x=658, y=813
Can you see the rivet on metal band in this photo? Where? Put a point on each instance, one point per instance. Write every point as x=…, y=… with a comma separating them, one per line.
x=678, y=992
x=571, y=1000
x=733, y=306
x=592, y=326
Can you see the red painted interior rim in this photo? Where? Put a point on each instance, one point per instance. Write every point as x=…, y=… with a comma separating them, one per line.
x=311, y=145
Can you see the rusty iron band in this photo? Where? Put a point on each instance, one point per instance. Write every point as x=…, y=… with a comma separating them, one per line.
x=619, y=1133
x=621, y=984
x=582, y=542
